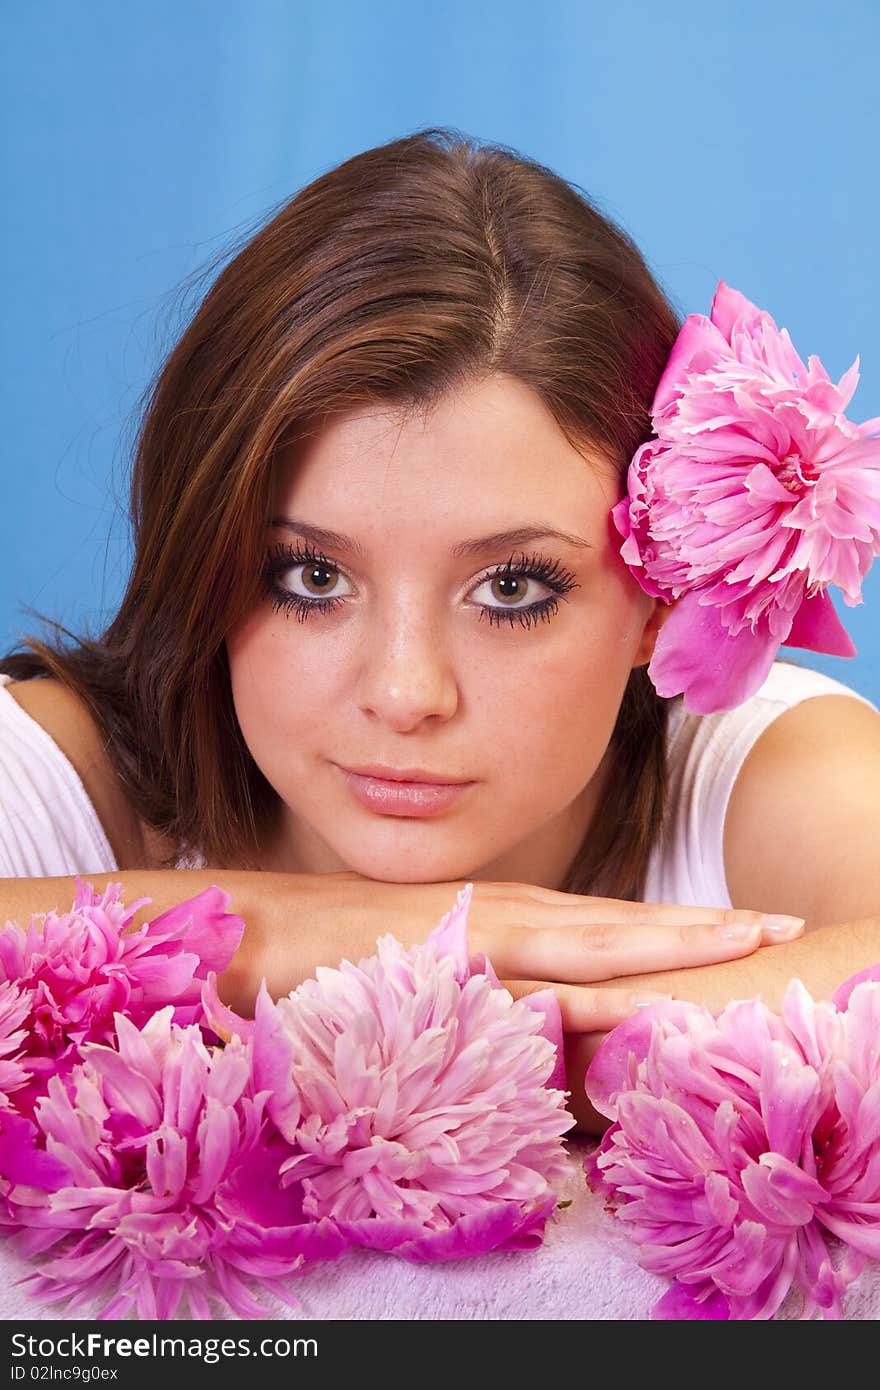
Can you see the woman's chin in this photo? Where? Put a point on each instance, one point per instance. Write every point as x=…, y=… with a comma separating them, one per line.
x=394, y=868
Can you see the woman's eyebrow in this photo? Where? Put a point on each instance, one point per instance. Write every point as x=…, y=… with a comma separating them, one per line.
x=334, y=540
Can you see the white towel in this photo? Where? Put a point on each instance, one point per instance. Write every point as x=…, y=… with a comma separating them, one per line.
x=585, y=1269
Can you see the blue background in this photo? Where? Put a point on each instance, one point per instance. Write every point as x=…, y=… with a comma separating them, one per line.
x=141, y=141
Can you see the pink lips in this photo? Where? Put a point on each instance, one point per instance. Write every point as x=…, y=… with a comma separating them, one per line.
x=396, y=798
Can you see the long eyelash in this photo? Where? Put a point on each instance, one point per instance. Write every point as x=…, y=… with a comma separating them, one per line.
x=546, y=571
x=549, y=572
x=285, y=557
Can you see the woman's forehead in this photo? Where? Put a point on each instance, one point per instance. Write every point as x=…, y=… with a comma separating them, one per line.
x=485, y=447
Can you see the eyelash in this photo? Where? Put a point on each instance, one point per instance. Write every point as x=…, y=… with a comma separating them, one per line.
x=548, y=572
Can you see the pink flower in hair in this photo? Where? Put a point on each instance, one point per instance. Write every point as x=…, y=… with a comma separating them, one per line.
x=419, y=1098
x=74, y=970
x=756, y=494
x=743, y=1155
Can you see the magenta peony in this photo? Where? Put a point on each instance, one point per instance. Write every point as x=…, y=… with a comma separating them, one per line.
x=417, y=1097
x=756, y=494
x=75, y=970
x=151, y=1179
x=743, y=1154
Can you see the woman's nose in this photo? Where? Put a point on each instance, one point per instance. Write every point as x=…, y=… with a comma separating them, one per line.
x=407, y=675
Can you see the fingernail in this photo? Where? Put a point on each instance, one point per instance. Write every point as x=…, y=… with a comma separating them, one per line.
x=641, y=1001
x=783, y=927
x=739, y=931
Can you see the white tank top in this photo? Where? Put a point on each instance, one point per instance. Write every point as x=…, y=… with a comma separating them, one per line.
x=49, y=827
x=704, y=755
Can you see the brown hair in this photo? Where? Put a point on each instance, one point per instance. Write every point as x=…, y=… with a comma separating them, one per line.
x=406, y=271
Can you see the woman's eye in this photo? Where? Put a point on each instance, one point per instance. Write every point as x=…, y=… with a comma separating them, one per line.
x=313, y=579
x=509, y=591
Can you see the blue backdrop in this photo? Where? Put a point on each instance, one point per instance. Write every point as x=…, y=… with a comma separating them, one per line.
x=140, y=140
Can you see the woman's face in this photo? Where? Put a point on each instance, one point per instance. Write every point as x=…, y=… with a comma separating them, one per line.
x=442, y=649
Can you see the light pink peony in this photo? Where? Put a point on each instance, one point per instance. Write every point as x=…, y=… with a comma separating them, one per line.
x=151, y=1179
x=76, y=969
x=756, y=494
x=743, y=1155
x=419, y=1098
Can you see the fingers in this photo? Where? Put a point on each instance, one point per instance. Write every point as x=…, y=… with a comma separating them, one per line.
x=587, y=1010
x=603, y=950
x=585, y=910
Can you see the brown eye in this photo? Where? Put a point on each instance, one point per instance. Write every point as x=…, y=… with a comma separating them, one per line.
x=524, y=591
x=509, y=588
x=301, y=582
x=506, y=590
x=318, y=579
x=307, y=579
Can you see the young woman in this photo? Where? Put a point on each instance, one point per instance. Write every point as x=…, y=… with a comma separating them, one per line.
x=379, y=639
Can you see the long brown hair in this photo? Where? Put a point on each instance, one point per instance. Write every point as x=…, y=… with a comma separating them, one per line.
x=406, y=271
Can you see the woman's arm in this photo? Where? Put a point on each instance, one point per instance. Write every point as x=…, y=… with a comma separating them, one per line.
x=532, y=936
x=821, y=959
x=802, y=829
x=801, y=836
x=293, y=922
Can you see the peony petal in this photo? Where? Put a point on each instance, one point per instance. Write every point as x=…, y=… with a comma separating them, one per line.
x=273, y=1053
x=840, y=997
x=546, y=1003
x=790, y=1102
x=817, y=628
x=128, y=1090
x=696, y=656
x=22, y=1162
x=499, y=1226
x=681, y=1303
x=205, y=925
x=697, y=337
x=219, y=1017
x=449, y=937
x=607, y=1072
x=730, y=306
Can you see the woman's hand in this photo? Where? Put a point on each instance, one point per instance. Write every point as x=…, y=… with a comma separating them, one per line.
x=537, y=937
x=533, y=936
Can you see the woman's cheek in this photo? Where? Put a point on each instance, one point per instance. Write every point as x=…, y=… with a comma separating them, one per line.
x=557, y=733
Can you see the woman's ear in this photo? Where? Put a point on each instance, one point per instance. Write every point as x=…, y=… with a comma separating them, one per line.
x=657, y=615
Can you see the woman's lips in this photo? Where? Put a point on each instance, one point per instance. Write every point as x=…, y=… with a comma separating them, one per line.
x=404, y=798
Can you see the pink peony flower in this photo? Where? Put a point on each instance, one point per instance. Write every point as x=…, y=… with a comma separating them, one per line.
x=151, y=1178
x=75, y=970
x=755, y=495
x=743, y=1154
x=416, y=1094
